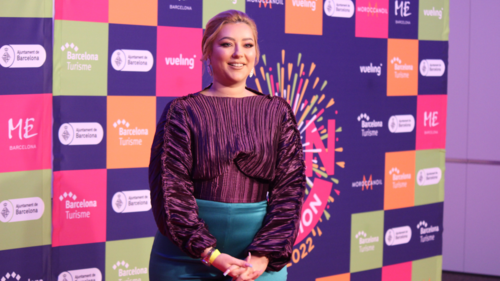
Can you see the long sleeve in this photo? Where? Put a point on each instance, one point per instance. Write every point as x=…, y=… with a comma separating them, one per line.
x=280, y=228
x=174, y=205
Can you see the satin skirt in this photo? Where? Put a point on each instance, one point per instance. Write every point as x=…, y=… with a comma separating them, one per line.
x=234, y=225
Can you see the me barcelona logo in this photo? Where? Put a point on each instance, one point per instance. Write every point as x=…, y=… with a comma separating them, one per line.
x=296, y=82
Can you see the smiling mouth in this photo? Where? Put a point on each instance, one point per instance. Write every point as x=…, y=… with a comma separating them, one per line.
x=236, y=64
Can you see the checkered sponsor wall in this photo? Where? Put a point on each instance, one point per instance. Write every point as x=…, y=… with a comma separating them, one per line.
x=80, y=95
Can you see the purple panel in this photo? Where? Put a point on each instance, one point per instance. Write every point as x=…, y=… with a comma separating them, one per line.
x=458, y=79
x=482, y=246
x=484, y=99
x=454, y=217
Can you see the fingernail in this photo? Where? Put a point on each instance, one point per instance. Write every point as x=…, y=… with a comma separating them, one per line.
x=227, y=272
x=249, y=265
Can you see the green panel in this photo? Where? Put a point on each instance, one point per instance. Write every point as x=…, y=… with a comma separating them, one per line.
x=26, y=8
x=128, y=259
x=15, y=187
x=81, y=69
x=434, y=20
x=429, y=179
x=213, y=7
x=367, y=235
x=429, y=269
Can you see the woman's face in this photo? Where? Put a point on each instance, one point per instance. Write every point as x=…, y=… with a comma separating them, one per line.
x=233, y=54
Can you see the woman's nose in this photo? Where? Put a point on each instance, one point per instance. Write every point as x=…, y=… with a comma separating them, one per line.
x=237, y=51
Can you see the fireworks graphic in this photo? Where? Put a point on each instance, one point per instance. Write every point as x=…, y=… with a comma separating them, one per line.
x=308, y=102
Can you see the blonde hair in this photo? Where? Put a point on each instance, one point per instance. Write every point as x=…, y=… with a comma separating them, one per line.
x=215, y=24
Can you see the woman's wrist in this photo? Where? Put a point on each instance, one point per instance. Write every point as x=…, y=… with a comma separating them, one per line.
x=205, y=252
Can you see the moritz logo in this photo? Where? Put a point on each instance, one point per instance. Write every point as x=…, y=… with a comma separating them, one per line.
x=180, y=61
x=369, y=127
x=365, y=241
x=22, y=56
x=372, y=10
x=77, y=60
x=124, y=271
x=74, y=206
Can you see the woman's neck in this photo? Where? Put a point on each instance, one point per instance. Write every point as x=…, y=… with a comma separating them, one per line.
x=235, y=90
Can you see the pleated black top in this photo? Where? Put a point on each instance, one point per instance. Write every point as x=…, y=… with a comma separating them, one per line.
x=232, y=150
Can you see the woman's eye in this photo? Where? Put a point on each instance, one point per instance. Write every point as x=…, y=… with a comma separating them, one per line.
x=249, y=45
x=225, y=44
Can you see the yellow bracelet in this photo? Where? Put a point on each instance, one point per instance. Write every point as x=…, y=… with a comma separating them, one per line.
x=214, y=255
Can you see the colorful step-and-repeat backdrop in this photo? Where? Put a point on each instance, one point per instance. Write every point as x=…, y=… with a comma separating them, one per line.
x=81, y=92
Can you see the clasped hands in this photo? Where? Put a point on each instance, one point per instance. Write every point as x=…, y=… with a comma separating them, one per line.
x=241, y=270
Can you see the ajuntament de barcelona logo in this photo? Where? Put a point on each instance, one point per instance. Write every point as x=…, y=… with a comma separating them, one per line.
x=298, y=83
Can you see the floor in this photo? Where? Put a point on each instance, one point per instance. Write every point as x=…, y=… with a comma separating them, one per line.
x=456, y=276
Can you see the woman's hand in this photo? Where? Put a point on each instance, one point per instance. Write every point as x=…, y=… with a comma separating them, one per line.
x=224, y=262
x=251, y=273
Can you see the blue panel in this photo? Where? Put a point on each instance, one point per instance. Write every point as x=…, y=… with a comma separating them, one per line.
x=27, y=263
x=186, y=13
x=86, y=256
x=403, y=19
x=353, y=112
x=335, y=234
x=132, y=37
x=25, y=31
x=433, y=50
x=133, y=224
x=69, y=109
x=426, y=224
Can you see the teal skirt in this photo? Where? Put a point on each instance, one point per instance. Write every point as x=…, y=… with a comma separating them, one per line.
x=234, y=225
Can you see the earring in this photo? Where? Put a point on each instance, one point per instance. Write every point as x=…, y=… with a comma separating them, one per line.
x=251, y=73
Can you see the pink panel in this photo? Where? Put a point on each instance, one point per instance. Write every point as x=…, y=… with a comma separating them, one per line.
x=397, y=272
x=178, y=61
x=25, y=123
x=79, y=214
x=82, y=10
x=431, y=122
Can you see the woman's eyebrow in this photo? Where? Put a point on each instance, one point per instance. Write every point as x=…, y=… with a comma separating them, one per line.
x=232, y=39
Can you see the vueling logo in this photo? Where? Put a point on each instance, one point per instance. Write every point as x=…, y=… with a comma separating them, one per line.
x=180, y=61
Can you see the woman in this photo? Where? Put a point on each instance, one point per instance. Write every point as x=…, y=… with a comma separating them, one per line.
x=215, y=156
